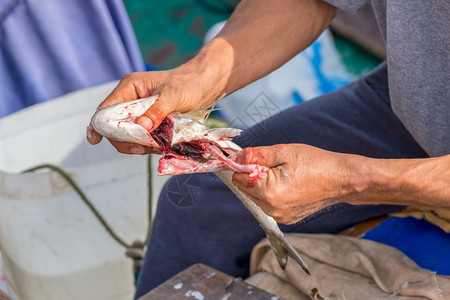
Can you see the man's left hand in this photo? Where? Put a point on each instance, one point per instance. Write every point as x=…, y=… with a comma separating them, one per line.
x=302, y=180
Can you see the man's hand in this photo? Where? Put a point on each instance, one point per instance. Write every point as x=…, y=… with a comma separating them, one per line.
x=176, y=93
x=301, y=181
x=304, y=179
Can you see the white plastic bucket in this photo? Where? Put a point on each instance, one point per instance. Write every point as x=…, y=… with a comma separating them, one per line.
x=52, y=245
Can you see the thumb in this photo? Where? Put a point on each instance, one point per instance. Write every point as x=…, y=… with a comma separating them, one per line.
x=243, y=180
x=269, y=156
x=153, y=117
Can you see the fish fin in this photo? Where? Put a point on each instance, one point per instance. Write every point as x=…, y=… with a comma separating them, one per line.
x=283, y=249
x=202, y=115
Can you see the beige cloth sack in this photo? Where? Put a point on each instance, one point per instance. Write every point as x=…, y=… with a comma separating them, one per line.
x=350, y=268
x=437, y=216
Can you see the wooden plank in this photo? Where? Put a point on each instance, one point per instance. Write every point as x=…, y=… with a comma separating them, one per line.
x=201, y=282
x=272, y=284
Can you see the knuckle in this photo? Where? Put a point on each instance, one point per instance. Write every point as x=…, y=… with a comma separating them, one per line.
x=286, y=221
x=279, y=219
x=279, y=151
x=271, y=200
x=131, y=79
x=274, y=213
x=127, y=78
x=248, y=155
x=243, y=156
x=269, y=211
x=277, y=148
x=132, y=76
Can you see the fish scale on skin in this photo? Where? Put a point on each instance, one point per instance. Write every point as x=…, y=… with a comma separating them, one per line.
x=188, y=146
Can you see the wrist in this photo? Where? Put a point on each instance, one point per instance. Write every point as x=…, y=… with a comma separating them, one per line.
x=210, y=71
x=385, y=181
x=358, y=178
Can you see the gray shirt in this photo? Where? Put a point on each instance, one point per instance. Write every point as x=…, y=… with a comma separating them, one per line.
x=417, y=37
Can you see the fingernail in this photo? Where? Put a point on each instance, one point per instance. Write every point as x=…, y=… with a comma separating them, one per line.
x=89, y=132
x=145, y=122
x=136, y=150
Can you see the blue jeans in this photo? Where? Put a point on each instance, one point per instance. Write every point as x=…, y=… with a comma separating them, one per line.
x=200, y=221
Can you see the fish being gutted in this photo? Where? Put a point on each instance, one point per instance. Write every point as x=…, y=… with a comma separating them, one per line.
x=189, y=146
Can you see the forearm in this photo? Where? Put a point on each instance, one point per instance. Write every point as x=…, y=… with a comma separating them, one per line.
x=424, y=182
x=259, y=37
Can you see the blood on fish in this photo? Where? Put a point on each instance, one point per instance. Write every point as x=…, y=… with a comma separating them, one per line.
x=127, y=107
x=120, y=123
x=196, y=155
x=187, y=145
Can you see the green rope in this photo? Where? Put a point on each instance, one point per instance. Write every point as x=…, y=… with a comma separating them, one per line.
x=150, y=195
x=100, y=218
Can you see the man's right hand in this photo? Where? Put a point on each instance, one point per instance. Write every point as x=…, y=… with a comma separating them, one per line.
x=176, y=90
